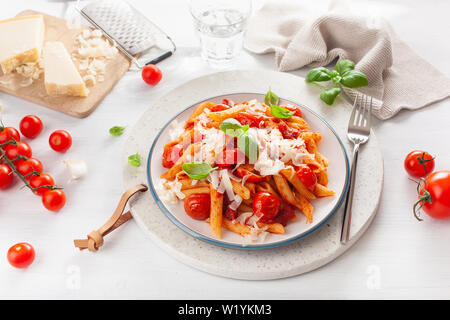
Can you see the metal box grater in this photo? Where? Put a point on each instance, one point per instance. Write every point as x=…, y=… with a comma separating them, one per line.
x=133, y=33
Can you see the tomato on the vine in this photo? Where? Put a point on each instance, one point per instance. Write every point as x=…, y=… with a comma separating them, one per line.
x=26, y=167
x=6, y=176
x=419, y=163
x=31, y=126
x=434, y=195
x=151, y=74
x=7, y=134
x=60, y=141
x=198, y=205
x=21, y=255
x=54, y=200
x=38, y=182
x=266, y=206
x=20, y=149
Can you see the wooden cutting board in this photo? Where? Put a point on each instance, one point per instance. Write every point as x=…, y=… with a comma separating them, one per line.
x=57, y=29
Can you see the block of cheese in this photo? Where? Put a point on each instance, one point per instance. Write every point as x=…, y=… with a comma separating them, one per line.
x=21, y=40
x=60, y=74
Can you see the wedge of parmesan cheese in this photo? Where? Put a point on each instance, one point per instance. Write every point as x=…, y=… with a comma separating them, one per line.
x=61, y=75
x=21, y=41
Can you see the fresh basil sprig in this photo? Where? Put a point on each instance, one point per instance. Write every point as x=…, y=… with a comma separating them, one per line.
x=135, y=160
x=197, y=170
x=343, y=74
x=272, y=100
x=233, y=128
x=245, y=141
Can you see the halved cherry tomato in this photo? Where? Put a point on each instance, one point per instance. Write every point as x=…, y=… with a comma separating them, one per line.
x=31, y=126
x=228, y=102
x=54, y=200
x=253, y=120
x=287, y=132
x=60, y=141
x=286, y=214
x=25, y=167
x=419, y=163
x=434, y=195
x=6, y=176
x=296, y=109
x=40, y=181
x=198, y=205
x=307, y=177
x=172, y=152
x=7, y=134
x=20, y=149
x=229, y=157
x=266, y=206
x=251, y=177
x=21, y=255
x=219, y=107
x=151, y=74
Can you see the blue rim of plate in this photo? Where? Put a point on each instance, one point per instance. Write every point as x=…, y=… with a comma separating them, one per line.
x=245, y=246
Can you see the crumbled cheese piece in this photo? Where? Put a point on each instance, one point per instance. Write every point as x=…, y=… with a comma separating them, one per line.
x=77, y=168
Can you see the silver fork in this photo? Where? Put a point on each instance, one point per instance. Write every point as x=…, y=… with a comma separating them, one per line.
x=358, y=133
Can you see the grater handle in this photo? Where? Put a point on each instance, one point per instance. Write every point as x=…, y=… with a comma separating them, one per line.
x=160, y=58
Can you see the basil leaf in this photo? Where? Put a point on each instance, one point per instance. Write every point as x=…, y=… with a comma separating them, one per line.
x=318, y=74
x=328, y=96
x=344, y=65
x=233, y=128
x=354, y=79
x=247, y=143
x=116, y=131
x=271, y=98
x=280, y=112
x=134, y=160
x=197, y=170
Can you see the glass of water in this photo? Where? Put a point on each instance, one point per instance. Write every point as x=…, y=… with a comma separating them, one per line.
x=220, y=24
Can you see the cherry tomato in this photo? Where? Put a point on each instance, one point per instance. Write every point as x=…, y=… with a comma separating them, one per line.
x=287, y=132
x=251, y=177
x=266, y=206
x=60, y=141
x=31, y=126
x=307, y=177
x=434, y=195
x=6, y=176
x=9, y=133
x=252, y=120
x=21, y=255
x=172, y=152
x=198, y=205
x=286, y=214
x=219, y=107
x=228, y=158
x=296, y=109
x=419, y=163
x=151, y=74
x=25, y=167
x=40, y=181
x=20, y=149
x=54, y=200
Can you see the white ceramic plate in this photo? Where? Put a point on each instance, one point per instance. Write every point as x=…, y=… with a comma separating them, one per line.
x=331, y=147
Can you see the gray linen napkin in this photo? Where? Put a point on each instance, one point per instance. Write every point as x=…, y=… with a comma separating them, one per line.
x=398, y=78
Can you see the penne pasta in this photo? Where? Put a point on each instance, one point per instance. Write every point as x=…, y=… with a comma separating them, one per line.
x=216, y=211
x=240, y=190
x=188, y=192
x=322, y=191
x=285, y=191
x=290, y=175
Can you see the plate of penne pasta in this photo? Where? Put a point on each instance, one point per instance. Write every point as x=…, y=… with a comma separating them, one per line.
x=248, y=170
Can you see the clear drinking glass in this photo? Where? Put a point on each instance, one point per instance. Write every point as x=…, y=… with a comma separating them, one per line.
x=220, y=24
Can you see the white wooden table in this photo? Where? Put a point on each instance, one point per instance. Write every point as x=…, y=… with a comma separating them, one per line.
x=398, y=257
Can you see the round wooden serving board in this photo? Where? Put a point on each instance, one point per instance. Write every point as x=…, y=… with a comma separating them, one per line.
x=306, y=254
